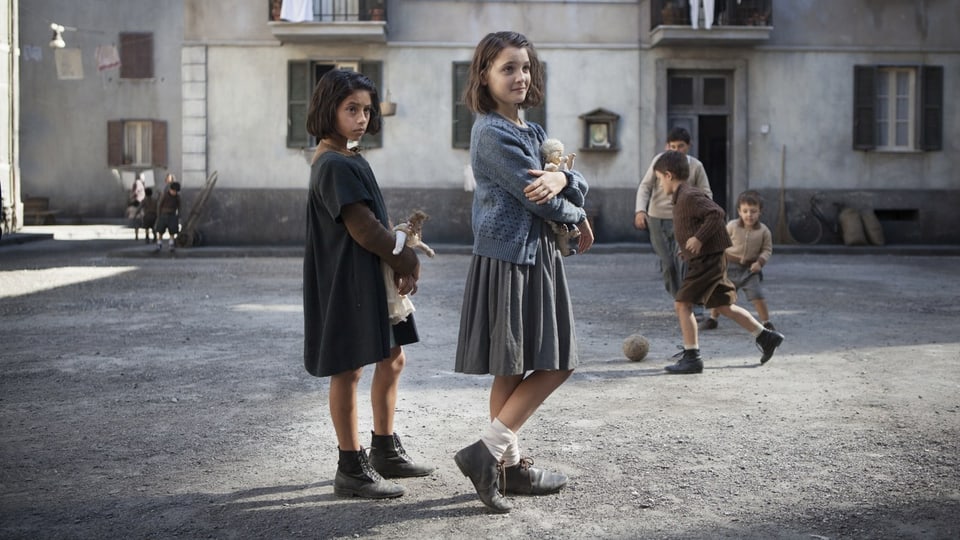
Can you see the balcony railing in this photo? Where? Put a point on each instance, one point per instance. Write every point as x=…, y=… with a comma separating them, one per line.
x=732, y=22
x=725, y=13
x=321, y=20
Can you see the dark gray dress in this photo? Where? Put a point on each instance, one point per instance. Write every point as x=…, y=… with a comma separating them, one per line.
x=517, y=318
x=346, y=324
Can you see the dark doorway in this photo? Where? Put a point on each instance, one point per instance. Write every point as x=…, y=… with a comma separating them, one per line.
x=712, y=143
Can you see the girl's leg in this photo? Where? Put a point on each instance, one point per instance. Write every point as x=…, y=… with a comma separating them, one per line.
x=514, y=398
x=343, y=408
x=383, y=390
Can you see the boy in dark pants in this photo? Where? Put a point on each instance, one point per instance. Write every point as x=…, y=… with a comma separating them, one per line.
x=168, y=216
x=700, y=228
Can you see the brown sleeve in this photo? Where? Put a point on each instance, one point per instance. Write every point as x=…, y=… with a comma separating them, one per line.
x=366, y=230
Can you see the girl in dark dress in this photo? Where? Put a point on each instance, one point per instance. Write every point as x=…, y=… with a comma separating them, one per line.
x=346, y=324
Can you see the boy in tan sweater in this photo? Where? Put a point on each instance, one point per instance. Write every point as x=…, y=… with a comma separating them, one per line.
x=750, y=252
x=699, y=228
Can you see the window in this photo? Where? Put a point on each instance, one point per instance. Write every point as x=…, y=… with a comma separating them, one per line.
x=137, y=143
x=302, y=77
x=136, y=55
x=898, y=108
x=463, y=118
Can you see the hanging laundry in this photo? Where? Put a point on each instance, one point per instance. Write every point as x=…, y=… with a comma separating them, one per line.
x=69, y=63
x=107, y=57
x=297, y=10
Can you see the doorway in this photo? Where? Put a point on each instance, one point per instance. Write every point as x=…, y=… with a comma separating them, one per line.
x=700, y=101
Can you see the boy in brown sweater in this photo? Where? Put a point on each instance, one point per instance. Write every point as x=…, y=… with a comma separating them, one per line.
x=700, y=228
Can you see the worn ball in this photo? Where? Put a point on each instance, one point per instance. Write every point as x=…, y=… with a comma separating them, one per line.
x=636, y=347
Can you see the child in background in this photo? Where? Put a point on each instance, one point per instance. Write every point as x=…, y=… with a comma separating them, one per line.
x=147, y=216
x=168, y=216
x=699, y=227
x=346, y=323
x=750, y=252
x=516, y=319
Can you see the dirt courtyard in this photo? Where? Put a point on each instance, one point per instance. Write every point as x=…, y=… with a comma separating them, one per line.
x=165, y=397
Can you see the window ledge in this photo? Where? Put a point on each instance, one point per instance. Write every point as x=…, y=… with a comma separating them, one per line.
x=314, y=32
x=717, y=35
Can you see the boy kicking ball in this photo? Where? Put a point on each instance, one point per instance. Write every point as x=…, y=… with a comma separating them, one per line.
x=700, y=229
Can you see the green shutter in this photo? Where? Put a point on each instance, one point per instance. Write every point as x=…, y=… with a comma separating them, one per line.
x=864, y=107
x=374, y=72
x=931, y=108
x=462, y=117
x=299, y=88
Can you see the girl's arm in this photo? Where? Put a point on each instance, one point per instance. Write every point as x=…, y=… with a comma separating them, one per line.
x=366, y=230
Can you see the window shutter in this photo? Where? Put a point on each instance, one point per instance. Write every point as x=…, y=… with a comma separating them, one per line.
x=115, y=143
x=462, y=117
x=158, y=143
x=374, y=72
x=864, y=107
x=136, y=55
x=931, y=108
x=298, y=99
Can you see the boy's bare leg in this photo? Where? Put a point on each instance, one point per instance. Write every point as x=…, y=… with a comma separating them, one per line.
x=761, y=306
x=688, y=324
x=741, y=317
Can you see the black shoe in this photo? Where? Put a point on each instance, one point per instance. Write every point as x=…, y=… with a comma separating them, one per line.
x=525, y=479
x=357, y=478
x=767, y=342
x=478, y=464
x=690, y=362
x=390, y=459
x=769, y=326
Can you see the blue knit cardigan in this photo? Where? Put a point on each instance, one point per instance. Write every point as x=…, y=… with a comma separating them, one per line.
x=506, y=225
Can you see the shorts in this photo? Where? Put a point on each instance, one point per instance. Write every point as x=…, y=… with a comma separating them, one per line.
x=169, y=223
x=745, y=280
x=706, y=282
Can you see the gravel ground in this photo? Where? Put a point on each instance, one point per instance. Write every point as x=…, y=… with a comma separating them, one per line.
x=164, y=397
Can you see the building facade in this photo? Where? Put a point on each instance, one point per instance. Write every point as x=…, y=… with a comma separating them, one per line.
x=844, y=101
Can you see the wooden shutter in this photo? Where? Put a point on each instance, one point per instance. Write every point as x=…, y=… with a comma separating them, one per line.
x=864, y=107
x=136, y=55
x=931, y=108
x=299, y=89
x=158, y=143
x=374, y=71
x=462, y=117
x=115, y=143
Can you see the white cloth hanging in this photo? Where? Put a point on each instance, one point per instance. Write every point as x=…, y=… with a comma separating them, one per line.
x=107, y=57
x=297, y=10
x=707, y=13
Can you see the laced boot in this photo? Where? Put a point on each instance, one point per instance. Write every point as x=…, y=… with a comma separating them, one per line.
x=357, y=478
x=478, y=464
x=525, y=479
x=767, y=342
x=690, y=362
x=390, y=459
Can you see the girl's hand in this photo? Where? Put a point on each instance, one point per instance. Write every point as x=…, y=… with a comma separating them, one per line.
x=694, y=245
x=586, y=236
x=755, y=267
x=547, y=185
x=406, y=284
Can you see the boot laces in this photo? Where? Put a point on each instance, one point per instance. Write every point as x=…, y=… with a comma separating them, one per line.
x=502, y=476
x=367, y=467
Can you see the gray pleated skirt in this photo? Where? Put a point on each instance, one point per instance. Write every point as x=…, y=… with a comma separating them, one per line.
x=517, y=318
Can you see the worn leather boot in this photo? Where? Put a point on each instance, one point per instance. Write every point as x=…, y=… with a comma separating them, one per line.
x=767, y=342
x=357, y=478
x=478, y=464
x=390, y=459
x=525, y=479
x=690, y=362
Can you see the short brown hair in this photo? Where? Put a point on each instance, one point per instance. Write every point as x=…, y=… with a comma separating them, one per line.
x=476, y=96
x=674, y=163
x=750, y=197
x=335, y=86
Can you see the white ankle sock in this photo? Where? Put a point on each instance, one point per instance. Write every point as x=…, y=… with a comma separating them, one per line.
x=511, y=457
x=498, y=437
